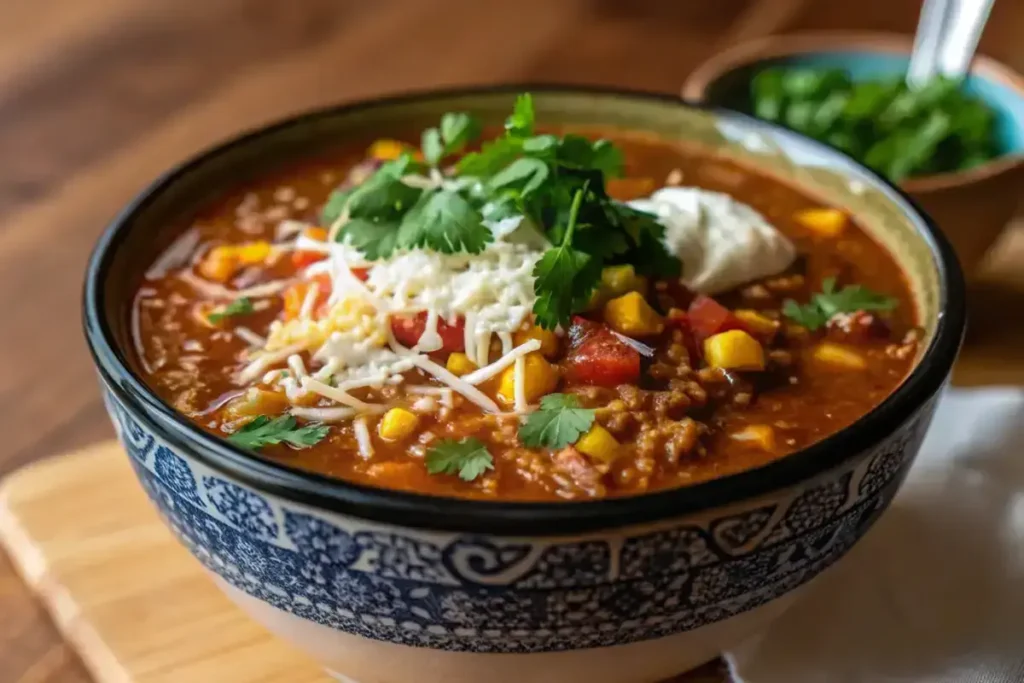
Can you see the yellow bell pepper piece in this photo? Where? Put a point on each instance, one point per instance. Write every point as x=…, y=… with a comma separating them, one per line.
x=839, y=356
x=616, y=281
x=631, y=315
x=734, y=350
x=459, y=364
x=540, y=377
x=397, y=424
x=599, y=444
x=221, y=262
x=387, y=150
x=762, y=435
x=548, y=339
x=824, y=222
x=761, y=325
x=255, y=402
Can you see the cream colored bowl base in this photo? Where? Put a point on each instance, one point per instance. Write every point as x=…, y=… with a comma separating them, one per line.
x=354, y=659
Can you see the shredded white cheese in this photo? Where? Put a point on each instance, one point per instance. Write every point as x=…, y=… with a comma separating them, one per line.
x=362, y=432
x=488, y=371
x=324, y=414
x=337, y=395
x=520, y=383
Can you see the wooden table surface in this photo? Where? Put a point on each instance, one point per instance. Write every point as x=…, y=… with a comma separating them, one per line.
x=97, y=97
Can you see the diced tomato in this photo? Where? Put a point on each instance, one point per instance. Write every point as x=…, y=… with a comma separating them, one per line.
x=708, y=317
x=596, y=356
x=361, y=273
x=409, y=329
x=302, y=259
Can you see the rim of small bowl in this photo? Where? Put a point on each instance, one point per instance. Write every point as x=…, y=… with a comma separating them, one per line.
x=512, y=518
x=771, y=47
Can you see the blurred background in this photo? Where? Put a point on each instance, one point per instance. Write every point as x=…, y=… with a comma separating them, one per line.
x=97, y=97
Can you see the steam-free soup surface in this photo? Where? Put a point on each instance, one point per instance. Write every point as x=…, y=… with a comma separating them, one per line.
x=645, y=384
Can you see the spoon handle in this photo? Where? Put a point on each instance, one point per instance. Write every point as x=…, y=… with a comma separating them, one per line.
x=932, y=26
x=968, y=23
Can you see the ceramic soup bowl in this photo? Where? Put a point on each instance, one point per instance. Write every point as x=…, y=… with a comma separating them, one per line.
x=972, y=207
x=389, y=587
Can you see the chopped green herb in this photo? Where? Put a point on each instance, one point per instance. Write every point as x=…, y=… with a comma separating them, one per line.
x=444, y=221
x=560, y=421
x=240, y=306
x=563, y=277
x=264, y=431
x=829, y=302
x=556, y=182
x=467, y=458
x=898, y=131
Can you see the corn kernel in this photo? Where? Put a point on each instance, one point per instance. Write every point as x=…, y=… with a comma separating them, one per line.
x=315, y=233
x=839, y=356
x=540, y=378
x=599, y=444
x=548, y=339
x=459, y=364
x=631, y=315
x=824, y=222
x=616, y=281
x=255, y=402
x=734, y=350
x=387, y=150
x=251, y=253
x=397, y=424
x=761, y=325
x=219, y=264
x=762, y=435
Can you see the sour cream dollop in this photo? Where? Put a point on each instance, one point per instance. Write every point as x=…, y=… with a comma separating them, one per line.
x=722, y=243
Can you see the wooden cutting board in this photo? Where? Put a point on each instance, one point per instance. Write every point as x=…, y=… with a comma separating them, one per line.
x=129, y=599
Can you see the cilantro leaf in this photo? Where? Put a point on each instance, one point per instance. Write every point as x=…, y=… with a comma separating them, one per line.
x=830, y=301
x=335, y=205
x=564, y=276
x=240, y=306
x=607, y=158
x=375, y=239
x=523, y=174
x=520, y=123
x=264, y=431
x=384, y=194
x=492, y=157
x=433, y=148
x=444, y=221
x=468, y=458
x=457, y=131
x=560, y=421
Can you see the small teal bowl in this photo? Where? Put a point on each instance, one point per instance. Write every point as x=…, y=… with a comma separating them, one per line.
x=972, y=207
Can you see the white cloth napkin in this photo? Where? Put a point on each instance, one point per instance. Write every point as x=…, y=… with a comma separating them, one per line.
x=934, y=593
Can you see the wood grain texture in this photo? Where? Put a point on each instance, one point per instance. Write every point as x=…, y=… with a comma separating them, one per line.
x=131, y=600
x=98, y=97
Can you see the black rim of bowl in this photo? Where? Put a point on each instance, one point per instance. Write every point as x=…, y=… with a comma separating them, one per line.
x=429, y=512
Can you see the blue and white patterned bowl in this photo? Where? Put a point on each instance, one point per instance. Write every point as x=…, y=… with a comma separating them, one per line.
x=389, y=587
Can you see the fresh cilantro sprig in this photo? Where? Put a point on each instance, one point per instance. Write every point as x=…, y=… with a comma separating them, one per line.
x=264, y=431
x=564, y=276
x=557, y=183
x=240, y=306
x=456, y=131
x=468, y=458
x=830, y=301
x=560, y=421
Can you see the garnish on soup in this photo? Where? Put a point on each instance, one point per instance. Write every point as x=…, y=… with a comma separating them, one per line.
x=525, y=314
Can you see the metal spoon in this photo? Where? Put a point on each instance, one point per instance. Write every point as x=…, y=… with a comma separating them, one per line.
x=947, y=37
